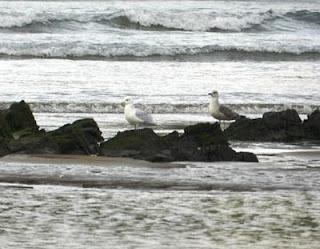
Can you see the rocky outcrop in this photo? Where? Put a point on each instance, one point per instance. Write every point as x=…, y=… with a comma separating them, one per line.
x=80, y=137
x=19, y=133
x=201, y=142
x=140, y=144
x=273, y=126
x=19, y=117
x=311, y=126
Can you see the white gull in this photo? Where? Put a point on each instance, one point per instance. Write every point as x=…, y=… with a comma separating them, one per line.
x=218, y=111
x=135, y=116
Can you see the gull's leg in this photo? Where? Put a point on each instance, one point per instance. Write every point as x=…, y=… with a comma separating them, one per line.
x=135, y=126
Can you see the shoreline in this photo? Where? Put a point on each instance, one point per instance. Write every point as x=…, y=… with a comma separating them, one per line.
x=88, y=160
x=96, y=179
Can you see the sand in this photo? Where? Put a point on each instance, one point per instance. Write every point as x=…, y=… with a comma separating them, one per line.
x=86, y=160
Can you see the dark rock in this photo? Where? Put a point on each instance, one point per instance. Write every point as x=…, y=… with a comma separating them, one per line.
x=273, y=126
x=80, y=137
x=201, y=142
x=162, y=156
x=246, y=129
x=5, y=131
x=246, y=157
x=23, y=143
x=19, y=133
x=171, y=138
x=281, y=120
x=140, y=144
x=206, y=134
x=4, y=150
x=19, y=117
x=311, y=126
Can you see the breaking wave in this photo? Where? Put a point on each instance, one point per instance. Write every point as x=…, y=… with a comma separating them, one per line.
x=71, y=50
x=159, y=21
x=163, y=108
x=305, y=15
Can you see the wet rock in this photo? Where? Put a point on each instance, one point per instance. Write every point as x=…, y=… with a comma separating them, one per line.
x=19, y=133
x=4, y=150
x=80, y=137
x=273, y=126
x=23, y=143
x=311, y=126
x=140, y=144
x=246, y=157
x=281, y=120
x=206, y=134
x=201, y=142
x=204, y=142
x=5, y=131
x=20, y=117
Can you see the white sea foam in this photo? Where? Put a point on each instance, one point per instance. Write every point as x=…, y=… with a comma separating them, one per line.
x=72, y=49
x=195, y=21
x=192, y=21
x=188, y=20
x=161, y=108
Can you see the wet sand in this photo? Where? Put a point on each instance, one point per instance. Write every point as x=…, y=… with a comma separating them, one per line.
x=94, y=177
x=86, y=160
x=306, y=154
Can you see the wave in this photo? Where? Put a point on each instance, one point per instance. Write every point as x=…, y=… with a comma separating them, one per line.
x=160, y=21
x=305, y=15
x=163, y=108
x=129, y=52
x=191, y=22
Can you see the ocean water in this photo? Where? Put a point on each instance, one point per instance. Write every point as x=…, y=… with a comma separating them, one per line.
x=76, y=59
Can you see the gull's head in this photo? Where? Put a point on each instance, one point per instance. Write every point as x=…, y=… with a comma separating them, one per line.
x=214, y=94
x=126, y=101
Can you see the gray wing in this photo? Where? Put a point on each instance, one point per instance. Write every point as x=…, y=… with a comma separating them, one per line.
x=145, y=117
x=229, y=114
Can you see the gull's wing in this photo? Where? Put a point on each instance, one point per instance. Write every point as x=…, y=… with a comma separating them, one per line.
x=229, y=114
x=143, y=116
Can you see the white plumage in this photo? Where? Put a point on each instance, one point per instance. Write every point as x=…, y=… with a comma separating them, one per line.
x=219, y=111
x=135, y=116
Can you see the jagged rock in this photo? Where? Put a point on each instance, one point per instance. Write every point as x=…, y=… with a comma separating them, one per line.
x=4, y=150
x=206, y=134
x=139, y=144
x=19, y=117
x=246, y=157
x=201, y=142
x=281, y=120
x=311, y=126
x=273, y=126
x=5, y=131
x=80, y=137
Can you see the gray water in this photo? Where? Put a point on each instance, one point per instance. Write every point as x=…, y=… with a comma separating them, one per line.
x=273, y=204
x=77, y=59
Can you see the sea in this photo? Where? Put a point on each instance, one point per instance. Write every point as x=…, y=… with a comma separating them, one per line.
x=78, y=59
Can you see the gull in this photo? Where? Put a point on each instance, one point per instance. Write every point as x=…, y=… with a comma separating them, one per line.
x=135, y=116
x=220, y=112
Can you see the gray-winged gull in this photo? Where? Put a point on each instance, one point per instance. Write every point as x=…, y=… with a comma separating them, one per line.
x=135, y=116
x=218, y=111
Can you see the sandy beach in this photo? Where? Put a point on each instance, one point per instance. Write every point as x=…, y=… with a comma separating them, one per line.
x=94, y=165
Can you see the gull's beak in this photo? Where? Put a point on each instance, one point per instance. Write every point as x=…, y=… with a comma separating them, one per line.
x=123, y=104
x=210, y=94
